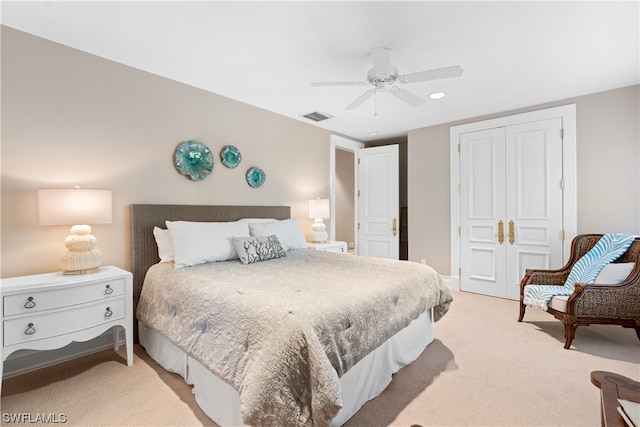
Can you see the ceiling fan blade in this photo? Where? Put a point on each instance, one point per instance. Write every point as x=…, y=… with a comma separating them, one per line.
x=439, y=73
x=339, y=83
x=381, y=57
x=359, y=100
x=407, y=96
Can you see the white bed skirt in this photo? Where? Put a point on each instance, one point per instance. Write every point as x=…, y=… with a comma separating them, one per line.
x=364, y=381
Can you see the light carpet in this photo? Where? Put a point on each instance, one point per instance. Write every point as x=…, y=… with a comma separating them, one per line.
x=483, y=369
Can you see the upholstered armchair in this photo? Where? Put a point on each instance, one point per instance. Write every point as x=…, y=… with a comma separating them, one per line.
x=602, y=303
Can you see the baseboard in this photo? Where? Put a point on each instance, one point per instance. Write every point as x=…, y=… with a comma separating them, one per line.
x=23, y=361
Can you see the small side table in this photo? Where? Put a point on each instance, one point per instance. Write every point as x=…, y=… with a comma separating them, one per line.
x=613, y=387
x=329, y=246
x=48, y=311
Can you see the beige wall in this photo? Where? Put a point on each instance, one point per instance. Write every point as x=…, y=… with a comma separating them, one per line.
x=70, y=118
x=608, y=179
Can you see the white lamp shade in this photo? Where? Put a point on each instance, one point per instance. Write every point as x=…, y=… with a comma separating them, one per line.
x=70, y=206
x=319, y=208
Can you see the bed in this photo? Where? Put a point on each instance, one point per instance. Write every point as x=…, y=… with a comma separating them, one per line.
x=301, y=338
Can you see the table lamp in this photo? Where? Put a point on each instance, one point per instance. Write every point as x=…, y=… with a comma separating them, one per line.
x=76, y=207
x=319, y=209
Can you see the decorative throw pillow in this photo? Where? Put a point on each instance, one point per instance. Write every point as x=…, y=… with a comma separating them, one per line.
x=288, y=231
x=202, y=242
x=165, y=244
x=255, y=249
x=614, y=273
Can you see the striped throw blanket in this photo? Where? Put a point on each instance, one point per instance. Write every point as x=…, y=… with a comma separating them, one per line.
x=585, y=270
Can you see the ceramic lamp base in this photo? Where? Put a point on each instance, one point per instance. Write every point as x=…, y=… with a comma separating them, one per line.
x=81, y=257
x=319, y=233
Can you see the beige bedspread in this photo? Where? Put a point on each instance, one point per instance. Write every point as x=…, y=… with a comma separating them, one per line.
x=282, y=332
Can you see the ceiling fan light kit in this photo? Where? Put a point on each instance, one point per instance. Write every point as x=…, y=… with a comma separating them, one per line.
x=375, y=78
x=384, y=77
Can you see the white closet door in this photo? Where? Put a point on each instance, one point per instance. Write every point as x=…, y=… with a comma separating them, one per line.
x=482, y=204
x=510, y=204
x=533, y=199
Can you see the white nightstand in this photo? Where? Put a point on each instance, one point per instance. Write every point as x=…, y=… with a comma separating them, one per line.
x=49, y=311
x=340, y=247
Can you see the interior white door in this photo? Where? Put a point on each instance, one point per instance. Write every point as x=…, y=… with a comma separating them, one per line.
x=482, y=207
x=378, y=202
x=511, y=205
x=534, y=198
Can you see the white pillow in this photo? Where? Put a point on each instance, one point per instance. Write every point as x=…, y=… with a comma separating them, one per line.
x=165, y=244
x=202, y=242
x=257, y=220
x=614, y=273
x=288, y=231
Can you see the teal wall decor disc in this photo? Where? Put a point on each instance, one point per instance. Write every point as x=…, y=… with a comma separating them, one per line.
x=231, y=156
x=195, y=159
x=255, y=177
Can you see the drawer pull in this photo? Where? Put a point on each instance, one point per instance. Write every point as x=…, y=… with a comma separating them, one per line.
x=30, y=303
x=108, y=313
x=30, y=329
x=108, y=290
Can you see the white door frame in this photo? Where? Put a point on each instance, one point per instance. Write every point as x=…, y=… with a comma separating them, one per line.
x=341, y=143
x=570, y=211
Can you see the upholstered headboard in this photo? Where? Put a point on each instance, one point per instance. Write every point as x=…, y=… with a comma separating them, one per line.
x=144, y=251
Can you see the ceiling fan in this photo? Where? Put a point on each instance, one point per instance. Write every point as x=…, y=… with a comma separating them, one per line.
x=384, y=77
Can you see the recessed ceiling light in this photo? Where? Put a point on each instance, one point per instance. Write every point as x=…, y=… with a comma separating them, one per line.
x=373, y=133
x=437, y=95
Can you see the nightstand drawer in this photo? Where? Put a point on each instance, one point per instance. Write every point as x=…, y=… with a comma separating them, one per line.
x=31, y=328
x=34, y=302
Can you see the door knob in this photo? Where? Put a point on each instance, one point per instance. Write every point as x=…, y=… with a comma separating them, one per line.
x=500, y=232
x=395, y=227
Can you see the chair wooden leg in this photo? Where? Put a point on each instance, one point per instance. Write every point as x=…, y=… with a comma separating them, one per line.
x=569, y=333
x=522, y=308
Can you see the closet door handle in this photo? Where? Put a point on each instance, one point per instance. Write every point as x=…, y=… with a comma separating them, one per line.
x=395, y=227
x=512, y=234
x=501, y=232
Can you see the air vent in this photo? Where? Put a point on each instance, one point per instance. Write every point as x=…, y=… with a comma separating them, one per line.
x=317, y=116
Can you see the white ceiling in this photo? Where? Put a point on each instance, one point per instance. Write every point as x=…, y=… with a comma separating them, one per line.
x=514, y=54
